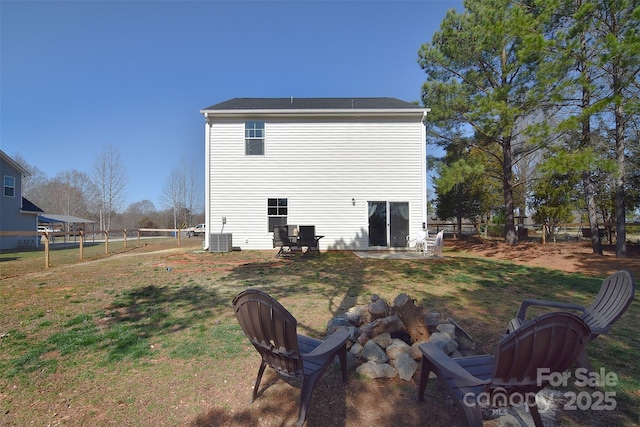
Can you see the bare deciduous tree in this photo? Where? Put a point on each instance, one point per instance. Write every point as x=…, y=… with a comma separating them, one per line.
x=193, y=199
x=71, y=193
x=110, y=179
x=141, y=214
x=181, y=193
x=34, y=183
x=173, y=192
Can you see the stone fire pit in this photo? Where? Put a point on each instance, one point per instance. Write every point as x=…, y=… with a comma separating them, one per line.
x=384, y=338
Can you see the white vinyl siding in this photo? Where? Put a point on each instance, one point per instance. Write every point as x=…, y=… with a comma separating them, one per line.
x=319, y=167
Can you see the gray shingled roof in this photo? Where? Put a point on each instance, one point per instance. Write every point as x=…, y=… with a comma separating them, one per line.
x=311, y=104
x=28, y=206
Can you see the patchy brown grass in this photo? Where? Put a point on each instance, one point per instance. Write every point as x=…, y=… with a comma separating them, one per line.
x=169, y=351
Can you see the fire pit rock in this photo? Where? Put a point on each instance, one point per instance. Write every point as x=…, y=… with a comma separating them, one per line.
x=384, y=338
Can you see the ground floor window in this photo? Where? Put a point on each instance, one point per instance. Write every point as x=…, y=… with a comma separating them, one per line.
x=277, y=211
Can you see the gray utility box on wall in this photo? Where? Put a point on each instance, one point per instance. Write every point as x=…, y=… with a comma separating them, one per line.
x=220, y=242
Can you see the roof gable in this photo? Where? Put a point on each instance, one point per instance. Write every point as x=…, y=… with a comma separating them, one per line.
x=13, y=164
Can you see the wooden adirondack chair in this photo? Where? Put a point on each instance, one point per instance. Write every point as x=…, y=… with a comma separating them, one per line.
x=552, y=341
x=272, y=331
x=613, y=299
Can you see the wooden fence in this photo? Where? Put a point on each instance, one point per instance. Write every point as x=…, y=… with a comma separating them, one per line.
x=48, y=237
x=566, y=232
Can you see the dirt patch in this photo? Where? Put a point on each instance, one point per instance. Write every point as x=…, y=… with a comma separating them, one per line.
x=572, y=257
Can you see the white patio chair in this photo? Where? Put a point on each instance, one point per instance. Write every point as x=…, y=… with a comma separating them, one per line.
x=419, y=241
x=435, y=246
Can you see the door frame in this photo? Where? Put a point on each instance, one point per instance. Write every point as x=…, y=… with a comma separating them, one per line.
x=388, y=232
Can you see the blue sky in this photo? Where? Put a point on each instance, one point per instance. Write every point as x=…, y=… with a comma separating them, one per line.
x=78, y=75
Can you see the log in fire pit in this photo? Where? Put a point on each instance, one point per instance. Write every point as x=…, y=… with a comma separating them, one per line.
x=384, y=338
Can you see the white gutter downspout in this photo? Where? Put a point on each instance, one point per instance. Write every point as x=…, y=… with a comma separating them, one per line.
x=207, y=181
x=425, y=200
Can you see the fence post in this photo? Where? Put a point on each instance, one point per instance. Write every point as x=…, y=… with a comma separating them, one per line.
x=81, y=244
x=106, y=241
x=46, y=249
x=125, y=238
x=138, y=230
x=178, y=231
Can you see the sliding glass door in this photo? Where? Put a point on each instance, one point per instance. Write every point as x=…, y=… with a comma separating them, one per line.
x=388, y=224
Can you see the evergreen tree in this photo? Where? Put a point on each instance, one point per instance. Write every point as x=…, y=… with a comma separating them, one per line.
x=478, y=83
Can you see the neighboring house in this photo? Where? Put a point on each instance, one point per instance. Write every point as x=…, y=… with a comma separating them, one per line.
x=16, y=212
x=355, y=168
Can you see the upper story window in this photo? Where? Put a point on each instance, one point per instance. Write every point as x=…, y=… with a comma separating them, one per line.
x=277, y=211
x=254, y=138
x=9, y=186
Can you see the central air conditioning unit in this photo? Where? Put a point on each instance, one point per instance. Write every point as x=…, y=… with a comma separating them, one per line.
x=220, y=242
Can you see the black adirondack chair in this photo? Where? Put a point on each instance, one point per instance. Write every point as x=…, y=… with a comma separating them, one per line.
x=308, y=238
x=282, y=240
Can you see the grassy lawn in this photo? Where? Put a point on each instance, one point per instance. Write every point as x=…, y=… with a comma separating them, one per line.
x=147, y=336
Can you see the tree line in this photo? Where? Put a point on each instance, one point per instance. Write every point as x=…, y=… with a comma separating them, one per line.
x=100, y=194
x=535, y=104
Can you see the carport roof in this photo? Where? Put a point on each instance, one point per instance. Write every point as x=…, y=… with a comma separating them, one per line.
x=50, y=218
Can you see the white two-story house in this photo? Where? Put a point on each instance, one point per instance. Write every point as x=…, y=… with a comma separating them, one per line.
x=355, y=168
